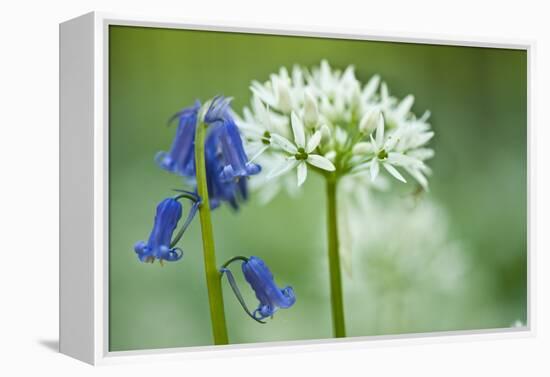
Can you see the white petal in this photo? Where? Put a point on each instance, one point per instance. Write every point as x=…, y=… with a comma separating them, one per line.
x=404, y=106
x=385, y=96
x=325, y=133
x=297, y=76
x=422, y=153
x=283, y=168
x=298, y=130
x=371, y=87
x=393, y=171
x=400, y=159
x=392, y=140
x=368, y=122
x=258, y=154
x=423, y=138
x=416, y=174
x=331, y=155
x=425, y=116
x=265, y=95
x=374, y=169
x=340, y=136
x=325, y=75
x=321, y=162
x=363, y=148
x=261, y=112
x=311, y=112
x=284, y=143
x=302, y=173
x=380, y=131
x=349, y=74
x=313, y=142
x=284, y=97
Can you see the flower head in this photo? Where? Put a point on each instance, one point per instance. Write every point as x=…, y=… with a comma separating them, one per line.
x=271, y=298
x=361, y=127
x=227, y=164
x=181, y=157
x=159, y=244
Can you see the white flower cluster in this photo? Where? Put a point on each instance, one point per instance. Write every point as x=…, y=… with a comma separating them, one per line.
x=326, y=120
x=406, y=262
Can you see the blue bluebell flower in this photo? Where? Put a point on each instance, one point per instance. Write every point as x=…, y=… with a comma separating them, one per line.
x=260, y=278
x=181, y=157
x=226, y=141
x=159, y=244
x=227, y=165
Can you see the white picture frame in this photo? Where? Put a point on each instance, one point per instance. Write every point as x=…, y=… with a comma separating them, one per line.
x=84, y=192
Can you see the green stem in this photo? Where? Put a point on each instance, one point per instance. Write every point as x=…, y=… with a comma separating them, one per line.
x=336, y=296
x=213, y=281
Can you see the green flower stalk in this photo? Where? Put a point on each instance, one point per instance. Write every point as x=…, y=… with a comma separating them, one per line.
x=333, y=245
x=213, y=282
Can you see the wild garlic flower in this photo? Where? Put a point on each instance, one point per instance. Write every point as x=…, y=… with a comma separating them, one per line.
x=300, y=153
x=328, y=120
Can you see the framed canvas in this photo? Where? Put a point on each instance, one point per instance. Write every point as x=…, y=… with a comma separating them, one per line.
x=248, y=189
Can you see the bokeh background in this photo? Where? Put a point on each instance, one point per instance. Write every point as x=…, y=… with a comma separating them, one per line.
x=452, y=259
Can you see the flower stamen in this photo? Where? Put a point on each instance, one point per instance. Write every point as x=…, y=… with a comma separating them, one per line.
x=301, y=154
x=382, y=155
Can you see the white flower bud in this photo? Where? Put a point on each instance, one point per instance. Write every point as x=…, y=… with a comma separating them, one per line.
x=340, y=136
x=311, y=111
x=284, y=99
x=325, y=133
x=331, y=155
x=369, y=121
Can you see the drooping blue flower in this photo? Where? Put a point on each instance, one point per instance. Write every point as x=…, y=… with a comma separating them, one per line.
x=181, y=157
x=159, y=244
x=220, y=191
x=261, y=280
x=227, y=165
x=271, y=298
x=226, y=141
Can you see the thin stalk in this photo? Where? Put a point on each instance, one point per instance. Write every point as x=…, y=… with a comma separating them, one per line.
x=213, y=282
x=336, y=296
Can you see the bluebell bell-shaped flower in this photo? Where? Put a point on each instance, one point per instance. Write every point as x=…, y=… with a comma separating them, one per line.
x=226, y=141
x=260, y=278
x=181, y=157
x=227, y=164
x=159, y=244
x=219, y=190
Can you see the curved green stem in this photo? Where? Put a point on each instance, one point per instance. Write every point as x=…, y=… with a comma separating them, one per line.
x=213, y=282
x=336, y=296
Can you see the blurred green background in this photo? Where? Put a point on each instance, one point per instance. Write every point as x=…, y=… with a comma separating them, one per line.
x=458, y=260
